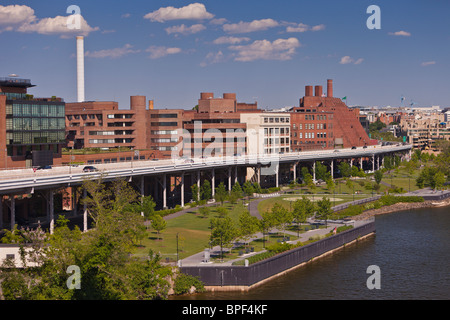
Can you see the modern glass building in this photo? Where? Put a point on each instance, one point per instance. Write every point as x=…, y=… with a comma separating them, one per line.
x=34, y=128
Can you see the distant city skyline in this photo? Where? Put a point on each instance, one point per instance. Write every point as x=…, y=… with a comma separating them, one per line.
x=263, y=51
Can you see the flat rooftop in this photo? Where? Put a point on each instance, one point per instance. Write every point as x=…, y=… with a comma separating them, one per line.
x=15, y=82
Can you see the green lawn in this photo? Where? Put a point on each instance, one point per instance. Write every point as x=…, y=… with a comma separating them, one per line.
x=193, y=229
x=193, y=233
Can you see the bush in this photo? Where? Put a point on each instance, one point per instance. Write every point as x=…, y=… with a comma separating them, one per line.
x=184, y=282
x=279, y=247
x=388, y=200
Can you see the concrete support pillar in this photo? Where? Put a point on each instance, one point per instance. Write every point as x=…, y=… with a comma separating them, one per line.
x=13, y=212
x=85, y=213
x=373, y=163
x=182, y=189
x=361, y=163
x=277, y=174
x=259, y=174
x=351, y=162
x=52, y=210
x=378, y=162
x=213, y=182
x=164, y=191
x=295, y=172
x=332, y=169
x=229, y=178
x=235, y=175
x=314, y=172
x=142, y=192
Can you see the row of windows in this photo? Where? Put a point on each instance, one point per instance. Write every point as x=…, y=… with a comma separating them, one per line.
x=270, y=141
x=311, y=126
x=271, y=131
x=164, y=124
x=35, y=110
x=35, y=124
x=276, y=150
x=165, y=115
x=35, y=137
x=158, y=132
x=276, y=120
x=13, y=96
x=165, y=140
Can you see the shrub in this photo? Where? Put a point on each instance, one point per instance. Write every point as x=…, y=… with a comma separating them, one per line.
x=184, y=282
x=279, y=247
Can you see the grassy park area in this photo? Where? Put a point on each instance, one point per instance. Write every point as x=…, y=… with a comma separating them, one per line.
x=191, y=231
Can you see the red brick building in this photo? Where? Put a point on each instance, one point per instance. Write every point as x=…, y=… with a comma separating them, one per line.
x=324, y=122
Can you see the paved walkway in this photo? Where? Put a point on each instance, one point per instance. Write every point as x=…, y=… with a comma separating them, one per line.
x=198, y=258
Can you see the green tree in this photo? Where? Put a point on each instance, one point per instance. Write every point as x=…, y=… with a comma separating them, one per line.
x=248, y=225
x=223, y=233
x=195, y=193
x=266, y=223
x=307, y=178
x=204, y=211
x=378, y=175
x=248, y=189
x=321, y=171
x=104, y=255
x=205, y=190
x=257, y=187
x=324, y=209
x=281, y=217
x=345, y=170
x=236, y=192
x=158, y=223
x=302, y=210
x=221, y=193
x=439, y=180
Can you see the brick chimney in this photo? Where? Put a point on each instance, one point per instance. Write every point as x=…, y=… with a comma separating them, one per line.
x=329, y=88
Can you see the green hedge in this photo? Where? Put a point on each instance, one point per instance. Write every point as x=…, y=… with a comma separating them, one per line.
x=184, y=282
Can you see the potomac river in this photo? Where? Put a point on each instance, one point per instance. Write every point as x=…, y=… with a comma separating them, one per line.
x=411, y=249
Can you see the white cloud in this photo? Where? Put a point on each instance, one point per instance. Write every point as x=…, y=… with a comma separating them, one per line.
x=112, y=53
x=319, y=27
x=213, y=57
x=301, y=27
x=159, y=52
x=185, y=30
x=230, y=40
x=126, y=15
x=427, y=63
x=350, y=60
x=400, y=33
x=280, y=49
x=58, y=25
x=14, y=16
x=193, y=11
x=245, y=27
x=218, y=21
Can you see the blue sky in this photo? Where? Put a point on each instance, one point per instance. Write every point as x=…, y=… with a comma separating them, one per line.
x=262, y=50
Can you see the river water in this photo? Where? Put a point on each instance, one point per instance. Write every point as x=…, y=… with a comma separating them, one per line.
x=411, y=249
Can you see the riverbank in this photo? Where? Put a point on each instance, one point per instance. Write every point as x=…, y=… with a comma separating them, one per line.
x=402, y=207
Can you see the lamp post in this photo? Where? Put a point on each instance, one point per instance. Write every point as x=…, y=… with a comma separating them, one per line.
x=177, y=247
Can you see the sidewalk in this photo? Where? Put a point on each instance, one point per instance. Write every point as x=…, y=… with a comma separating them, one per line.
x=198, y=258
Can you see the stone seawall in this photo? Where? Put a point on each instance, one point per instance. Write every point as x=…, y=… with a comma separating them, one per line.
x=402, y=207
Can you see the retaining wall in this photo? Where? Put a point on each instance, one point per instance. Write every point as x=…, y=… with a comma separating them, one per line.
x=240, y=277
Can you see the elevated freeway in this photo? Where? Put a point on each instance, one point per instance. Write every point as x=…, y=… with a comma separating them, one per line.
x=158, y=178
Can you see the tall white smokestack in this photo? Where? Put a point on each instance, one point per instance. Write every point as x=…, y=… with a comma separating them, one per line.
x=80, y=68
